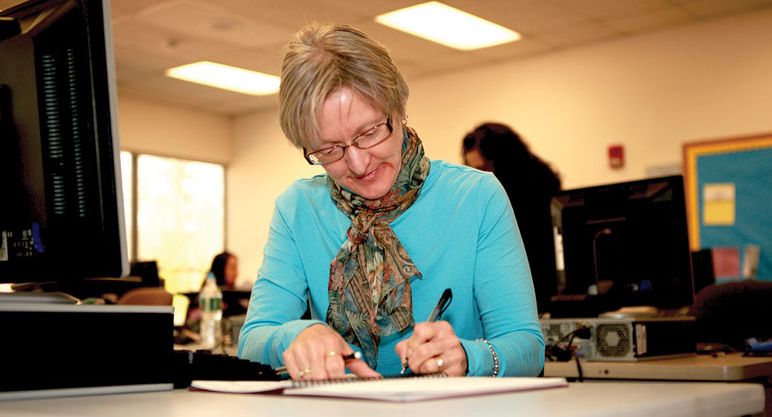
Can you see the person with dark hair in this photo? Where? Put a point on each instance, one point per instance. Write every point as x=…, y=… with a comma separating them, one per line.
x=225, y=267
x=371, y=243
x=530, y=184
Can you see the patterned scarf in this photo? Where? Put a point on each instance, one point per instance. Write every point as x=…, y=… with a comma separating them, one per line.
x=369, y=286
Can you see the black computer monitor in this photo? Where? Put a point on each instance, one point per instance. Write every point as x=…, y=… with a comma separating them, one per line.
x=624, y=245
x=61, y=213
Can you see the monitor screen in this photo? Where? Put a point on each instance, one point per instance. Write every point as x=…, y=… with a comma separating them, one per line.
x=626, y=243
x=61, y=214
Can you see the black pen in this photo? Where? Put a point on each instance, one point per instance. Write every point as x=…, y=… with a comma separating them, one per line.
x=440, y=308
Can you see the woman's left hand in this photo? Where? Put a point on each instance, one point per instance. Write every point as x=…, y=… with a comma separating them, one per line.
x=433, y=347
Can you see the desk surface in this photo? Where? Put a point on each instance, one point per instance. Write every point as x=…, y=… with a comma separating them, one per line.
x=597, y=399
x=731, y=367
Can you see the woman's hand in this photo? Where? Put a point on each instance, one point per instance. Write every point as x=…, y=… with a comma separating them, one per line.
x=433, y=347
x=317, y=353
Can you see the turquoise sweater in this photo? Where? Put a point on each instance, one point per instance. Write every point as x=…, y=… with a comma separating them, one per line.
x=460, y=232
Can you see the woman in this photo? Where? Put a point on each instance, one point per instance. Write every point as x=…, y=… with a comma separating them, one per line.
x=374, y=242
x=530, y=183
x=225, y=267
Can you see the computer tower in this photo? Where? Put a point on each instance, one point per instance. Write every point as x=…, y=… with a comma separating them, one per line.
x=624, y=339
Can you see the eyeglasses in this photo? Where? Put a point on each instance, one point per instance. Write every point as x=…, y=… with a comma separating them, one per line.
x=366, y=140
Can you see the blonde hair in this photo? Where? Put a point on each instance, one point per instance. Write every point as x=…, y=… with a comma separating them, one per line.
x=324, y=57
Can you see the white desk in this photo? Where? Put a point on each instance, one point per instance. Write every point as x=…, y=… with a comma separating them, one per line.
x=725, y=368
x=598, y=399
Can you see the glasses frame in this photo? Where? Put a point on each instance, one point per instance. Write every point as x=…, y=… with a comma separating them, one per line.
x=389, y=126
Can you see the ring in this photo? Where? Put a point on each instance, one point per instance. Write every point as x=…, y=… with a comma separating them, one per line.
x=305, y=372
x=439, y=361
x=332, y=353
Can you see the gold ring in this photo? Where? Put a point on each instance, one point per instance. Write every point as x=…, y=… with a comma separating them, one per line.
x=439, y=361
x=332, y=353
x=305, y=372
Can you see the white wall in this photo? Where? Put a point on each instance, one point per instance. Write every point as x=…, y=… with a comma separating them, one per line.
x=153, y=128
x=264, y=164
x=651, y=93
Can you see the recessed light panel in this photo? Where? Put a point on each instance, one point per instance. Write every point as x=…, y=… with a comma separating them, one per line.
x=449, y=26
x=226, y=77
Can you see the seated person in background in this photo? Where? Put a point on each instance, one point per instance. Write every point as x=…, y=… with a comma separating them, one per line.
x=373, y=242
x=225, y=267
x=530, y=184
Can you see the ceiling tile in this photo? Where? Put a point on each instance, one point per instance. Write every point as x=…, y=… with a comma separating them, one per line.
x=201, y=19
x=292, y=15
x=177, y=48
x=715, y=8
x=127, y=8
x=577, y=35
x=611, y=8
x=650, y=20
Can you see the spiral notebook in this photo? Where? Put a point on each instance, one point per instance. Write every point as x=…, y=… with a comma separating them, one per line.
x=386, y=389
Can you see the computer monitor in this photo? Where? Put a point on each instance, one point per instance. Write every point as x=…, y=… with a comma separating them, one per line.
x=61, y=213
x=623, y=245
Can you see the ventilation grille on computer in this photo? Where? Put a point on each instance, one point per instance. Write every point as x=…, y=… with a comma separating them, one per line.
x=613, y=340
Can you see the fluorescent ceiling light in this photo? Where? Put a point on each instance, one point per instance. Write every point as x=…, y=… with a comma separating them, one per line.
x=449, y=26
x=226, y=77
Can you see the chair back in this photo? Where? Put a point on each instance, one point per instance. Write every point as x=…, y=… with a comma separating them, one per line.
x=149, y=296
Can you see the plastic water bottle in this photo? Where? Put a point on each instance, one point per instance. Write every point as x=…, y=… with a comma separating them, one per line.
x=210, y=304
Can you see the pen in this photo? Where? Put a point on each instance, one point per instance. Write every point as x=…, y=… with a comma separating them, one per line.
x=440, y=308
x=348, y=357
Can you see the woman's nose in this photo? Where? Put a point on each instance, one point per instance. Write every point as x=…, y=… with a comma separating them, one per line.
x=357, y=160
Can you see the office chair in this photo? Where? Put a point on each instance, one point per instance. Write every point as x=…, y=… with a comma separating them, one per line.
x=153, y=296
x=732, y=312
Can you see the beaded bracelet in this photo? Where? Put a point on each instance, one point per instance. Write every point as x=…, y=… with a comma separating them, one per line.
x=494, y=356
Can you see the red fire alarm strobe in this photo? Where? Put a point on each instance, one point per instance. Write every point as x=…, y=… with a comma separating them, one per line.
x=616, y=156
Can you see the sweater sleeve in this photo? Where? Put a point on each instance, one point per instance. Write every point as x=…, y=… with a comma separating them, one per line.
x=279, y=298
x=503, y=290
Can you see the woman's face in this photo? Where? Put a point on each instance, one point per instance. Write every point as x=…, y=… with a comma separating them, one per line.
x=371, y=172
x=475, y=159
x=231, y=271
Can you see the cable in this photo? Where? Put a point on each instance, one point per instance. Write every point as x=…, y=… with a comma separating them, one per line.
x=555, y=353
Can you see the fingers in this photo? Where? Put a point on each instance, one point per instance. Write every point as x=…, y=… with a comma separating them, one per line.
x=316, y=353
x=360, y=369
x=434, y=347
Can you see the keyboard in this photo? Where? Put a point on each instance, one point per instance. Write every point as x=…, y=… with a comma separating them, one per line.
x=202, y=364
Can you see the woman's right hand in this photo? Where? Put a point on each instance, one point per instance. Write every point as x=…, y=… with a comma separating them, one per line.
x=317, y=353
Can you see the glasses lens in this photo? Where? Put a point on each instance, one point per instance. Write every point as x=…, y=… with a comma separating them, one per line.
x=325, y=156
x=374, y=136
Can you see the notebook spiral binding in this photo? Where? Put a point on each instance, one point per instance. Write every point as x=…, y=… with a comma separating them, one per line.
x=320, y=382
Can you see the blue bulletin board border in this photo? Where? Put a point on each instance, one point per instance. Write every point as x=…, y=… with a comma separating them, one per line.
x=720, y=159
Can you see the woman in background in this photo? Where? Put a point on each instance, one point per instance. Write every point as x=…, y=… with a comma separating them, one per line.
x=530, y=184
x=225, y=267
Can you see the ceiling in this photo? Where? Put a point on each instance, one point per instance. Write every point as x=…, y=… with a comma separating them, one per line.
x=153, y=35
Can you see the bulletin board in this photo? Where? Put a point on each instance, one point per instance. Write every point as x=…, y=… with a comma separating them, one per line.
x=728, y=184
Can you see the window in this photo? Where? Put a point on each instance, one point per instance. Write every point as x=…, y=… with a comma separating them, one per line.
x=179, y=219
x=127, y=179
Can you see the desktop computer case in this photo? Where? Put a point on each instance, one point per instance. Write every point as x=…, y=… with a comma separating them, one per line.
x=51, y=350
x=625, y=339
